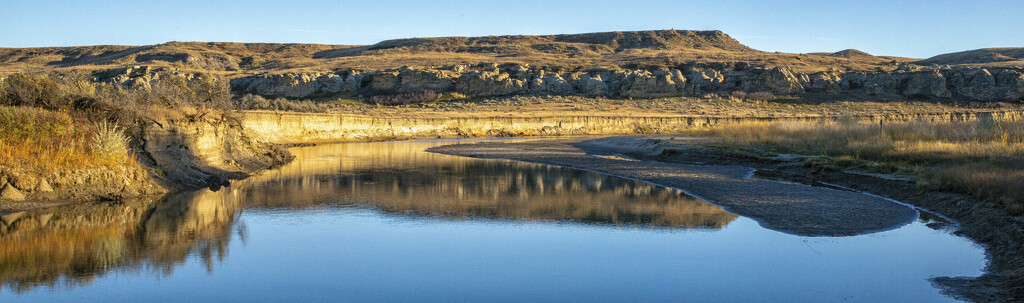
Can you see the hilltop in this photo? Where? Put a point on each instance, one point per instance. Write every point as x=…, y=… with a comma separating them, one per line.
x=641, y=49
x=1006, y=56
x=629, y=64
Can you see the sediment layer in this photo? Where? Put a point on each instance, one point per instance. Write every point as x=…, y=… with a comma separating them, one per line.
x=300, y=128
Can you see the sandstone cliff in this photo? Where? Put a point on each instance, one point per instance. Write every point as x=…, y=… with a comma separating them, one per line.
x=489, y=79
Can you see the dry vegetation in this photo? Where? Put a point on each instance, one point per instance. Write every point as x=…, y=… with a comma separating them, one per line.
x=64, y=123
x=709, y=106
x=985, y=159
x=666, y=48
x=42, y=142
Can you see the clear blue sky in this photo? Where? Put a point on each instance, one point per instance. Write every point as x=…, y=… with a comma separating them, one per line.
x=910, y=28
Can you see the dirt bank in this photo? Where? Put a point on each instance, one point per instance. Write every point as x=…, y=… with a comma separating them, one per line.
x=174, y=155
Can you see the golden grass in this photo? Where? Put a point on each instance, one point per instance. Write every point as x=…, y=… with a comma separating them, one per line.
x=984, y=158
x=41, y=142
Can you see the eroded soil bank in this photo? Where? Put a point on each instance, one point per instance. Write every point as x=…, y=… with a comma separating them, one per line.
x=787, y=207
x=172, y=156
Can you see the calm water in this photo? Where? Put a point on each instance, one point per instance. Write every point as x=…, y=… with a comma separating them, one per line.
x=388, y=222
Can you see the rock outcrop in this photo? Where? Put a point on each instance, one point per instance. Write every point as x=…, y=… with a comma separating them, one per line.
x=205, y=153
x=8, y=192
x=488, y=79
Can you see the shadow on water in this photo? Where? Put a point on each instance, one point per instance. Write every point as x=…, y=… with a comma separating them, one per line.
x=74, y=244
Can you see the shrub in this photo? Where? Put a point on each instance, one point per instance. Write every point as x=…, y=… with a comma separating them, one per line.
x=404, y=98
x=452, y=96
x=109, y=142
x=760, y=96
x=738, y=95
x=256, y=102
x=175, y=92
x=32, y=90
x=38, y=140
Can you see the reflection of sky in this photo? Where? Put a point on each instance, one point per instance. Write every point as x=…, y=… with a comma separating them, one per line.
x=351, y=254
x=321, y=252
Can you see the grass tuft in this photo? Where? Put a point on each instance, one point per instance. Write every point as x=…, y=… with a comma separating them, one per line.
x=109, y=142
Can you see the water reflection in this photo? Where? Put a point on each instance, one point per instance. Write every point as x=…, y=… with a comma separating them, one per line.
x=400, y=178
x=73, y=245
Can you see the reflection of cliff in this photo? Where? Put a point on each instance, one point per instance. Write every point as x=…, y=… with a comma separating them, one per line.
x=400, y=178
x=70, y=245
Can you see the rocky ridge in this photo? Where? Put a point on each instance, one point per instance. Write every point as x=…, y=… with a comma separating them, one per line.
x=490, y=79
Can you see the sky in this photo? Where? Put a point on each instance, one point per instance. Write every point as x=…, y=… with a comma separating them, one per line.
x=908, y=28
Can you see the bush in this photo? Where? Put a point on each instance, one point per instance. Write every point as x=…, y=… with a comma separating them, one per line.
x=738, y=95
x=110, y=142
x=760, y=96
x=404, y=99
x=32, y=90
x=41, y=141
x=176, y=92
x=256, y=102
x=452, y=96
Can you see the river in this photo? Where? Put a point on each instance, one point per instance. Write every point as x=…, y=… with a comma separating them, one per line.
x=389, y=222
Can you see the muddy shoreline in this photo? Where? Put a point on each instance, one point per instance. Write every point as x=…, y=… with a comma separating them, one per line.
x=983, y=222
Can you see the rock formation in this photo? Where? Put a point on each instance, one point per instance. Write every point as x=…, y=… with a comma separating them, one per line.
x=483, y=80
x=642, y=64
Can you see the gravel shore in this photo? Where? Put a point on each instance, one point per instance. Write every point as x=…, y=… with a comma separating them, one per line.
x=786, y=207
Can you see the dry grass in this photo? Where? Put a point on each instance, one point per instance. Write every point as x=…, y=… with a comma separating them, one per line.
x=42, y=142
x=984, y=158
x=649, y=49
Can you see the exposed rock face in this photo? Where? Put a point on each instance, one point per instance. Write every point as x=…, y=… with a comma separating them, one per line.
x=828, y=82
x=10, y=193
x=490, y=79
x=489, y=83
x=644, y=84
x=206, y=152
x=979, y=85
x=926, y=84
x=290, y=128
x=299, y=85
x=44, y=187
x=779, y=81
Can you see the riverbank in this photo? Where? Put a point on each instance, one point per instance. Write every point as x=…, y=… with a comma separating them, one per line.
x=47, y=167
x=681, y=160
x=184, y=150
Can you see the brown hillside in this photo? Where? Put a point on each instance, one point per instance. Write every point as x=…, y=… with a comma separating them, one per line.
x=640, y=49
x=853, y=54
x=1007, y=56
x=601, y=43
